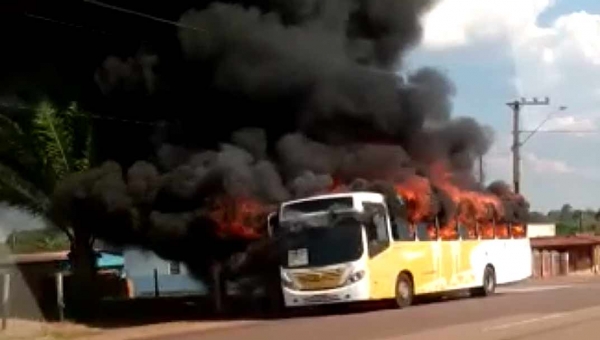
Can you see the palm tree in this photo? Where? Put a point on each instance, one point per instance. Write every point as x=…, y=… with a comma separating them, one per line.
x=40, y=147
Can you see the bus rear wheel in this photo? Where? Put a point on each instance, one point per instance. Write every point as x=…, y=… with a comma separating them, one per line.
x=489, y=283
x=404, y=291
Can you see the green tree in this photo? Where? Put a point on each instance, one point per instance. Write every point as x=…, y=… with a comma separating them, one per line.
x=597, y=221
x=566, y=212
x=40, y=240
x=565, y=229
x=538, y=217
x=577, y=217
x=40, y=147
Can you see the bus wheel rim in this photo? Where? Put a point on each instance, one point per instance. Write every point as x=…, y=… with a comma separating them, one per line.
x=404, y=290
x=489, y=283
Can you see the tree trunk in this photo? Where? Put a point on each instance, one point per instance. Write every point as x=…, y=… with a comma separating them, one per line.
x=84, y=295
x=218, y=288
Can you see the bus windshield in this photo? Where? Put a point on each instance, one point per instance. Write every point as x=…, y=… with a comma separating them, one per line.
x=318, y=242
x=316, y=206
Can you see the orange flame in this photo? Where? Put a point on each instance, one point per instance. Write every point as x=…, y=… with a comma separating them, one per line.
x=476, y=212
x=337, y=186
x=471, y=206
x=417, y=193
x=239, y=217
x=518, y=230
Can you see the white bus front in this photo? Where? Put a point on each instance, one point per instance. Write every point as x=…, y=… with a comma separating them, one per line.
x=323, y=250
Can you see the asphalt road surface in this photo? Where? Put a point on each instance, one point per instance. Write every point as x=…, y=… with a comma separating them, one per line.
x=551, y=311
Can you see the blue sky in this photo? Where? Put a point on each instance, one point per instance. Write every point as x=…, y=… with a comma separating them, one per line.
x=499, y=50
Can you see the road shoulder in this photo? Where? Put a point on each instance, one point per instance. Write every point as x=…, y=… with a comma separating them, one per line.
x=37, y=330
x=168, y=330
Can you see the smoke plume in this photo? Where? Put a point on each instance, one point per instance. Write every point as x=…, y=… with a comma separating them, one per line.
x=280, y=99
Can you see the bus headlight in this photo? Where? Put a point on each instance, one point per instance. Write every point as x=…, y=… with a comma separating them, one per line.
x=287, y=281
x=355, y=277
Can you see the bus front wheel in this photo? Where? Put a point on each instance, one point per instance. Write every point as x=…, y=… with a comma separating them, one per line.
x=404, y=291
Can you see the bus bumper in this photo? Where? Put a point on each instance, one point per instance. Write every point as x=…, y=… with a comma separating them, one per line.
x=358, y=291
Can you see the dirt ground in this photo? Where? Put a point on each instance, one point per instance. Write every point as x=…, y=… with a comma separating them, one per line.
x=28, y=329
x=33, y=330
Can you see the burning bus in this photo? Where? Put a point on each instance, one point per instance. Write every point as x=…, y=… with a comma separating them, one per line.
x=350, y=247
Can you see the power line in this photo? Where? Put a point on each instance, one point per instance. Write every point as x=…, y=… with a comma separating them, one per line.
x=144, y=15
x=129, y=121
x=537, y=129
x=42, y=18
x=561, y=131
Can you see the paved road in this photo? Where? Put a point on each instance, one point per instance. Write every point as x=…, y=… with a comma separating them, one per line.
x=549, y=311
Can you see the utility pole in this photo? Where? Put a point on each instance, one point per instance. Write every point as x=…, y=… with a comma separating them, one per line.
x=516, y=146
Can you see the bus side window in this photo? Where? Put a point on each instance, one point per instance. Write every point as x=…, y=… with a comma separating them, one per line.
x=449, y=231
x=487, y=230
x=502, y=230
x=463, y=232
x=467, y=232
x=403, y=230
x=423, y=232
x=518, y=230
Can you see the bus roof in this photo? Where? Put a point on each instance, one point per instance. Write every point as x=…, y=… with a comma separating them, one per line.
x=365, y=195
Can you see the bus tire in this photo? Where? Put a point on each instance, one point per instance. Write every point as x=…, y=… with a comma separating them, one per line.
x=489, y=283
x=404, y=291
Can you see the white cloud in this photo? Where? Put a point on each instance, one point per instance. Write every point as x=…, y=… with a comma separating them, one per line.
x=14, y=219
x=500, y=165
x=583, y=32
x=572, y=123
x=561, y=61
x=457, y=22
x=548, y=56
x=546, y=166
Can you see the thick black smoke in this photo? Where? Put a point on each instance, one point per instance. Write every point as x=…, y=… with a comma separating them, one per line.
x=276, y=99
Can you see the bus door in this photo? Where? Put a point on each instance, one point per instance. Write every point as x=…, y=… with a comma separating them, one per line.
x=382, y=266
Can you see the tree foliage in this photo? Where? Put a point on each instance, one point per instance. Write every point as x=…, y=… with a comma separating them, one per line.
x=40, y=240
x=41, y=145
x=63, y=139
x=569, y=220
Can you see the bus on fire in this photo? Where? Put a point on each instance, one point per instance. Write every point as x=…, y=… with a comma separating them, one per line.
x=341, y=248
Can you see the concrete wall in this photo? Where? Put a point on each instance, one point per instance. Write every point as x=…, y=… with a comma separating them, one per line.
x=541, y=229
x=139, y=270
x=578, y=259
